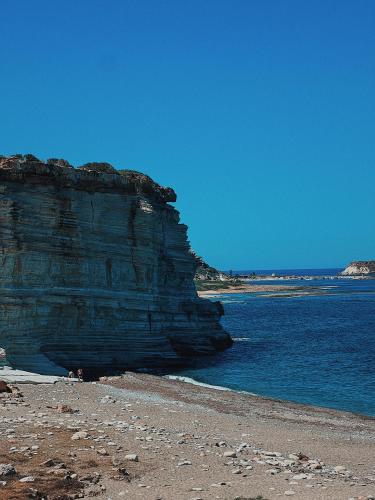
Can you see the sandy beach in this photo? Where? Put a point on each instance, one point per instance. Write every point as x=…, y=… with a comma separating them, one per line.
x=148, y=437
x=291, y=290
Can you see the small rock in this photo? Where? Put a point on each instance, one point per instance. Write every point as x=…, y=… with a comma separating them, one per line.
x=102, y=451
x=48, y=463
x=184, y=462
x=339, y=468
x=7, y=470
x=79, y=435
x=289, y=493
x=27, y=479
x=298, y=477
x=132, y=457
x=4, y=387
x=64, y=409
x=230, y=454
x=315, y=466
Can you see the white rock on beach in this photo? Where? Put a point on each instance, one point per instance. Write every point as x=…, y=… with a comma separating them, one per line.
x=79, y=435
x=230, y=454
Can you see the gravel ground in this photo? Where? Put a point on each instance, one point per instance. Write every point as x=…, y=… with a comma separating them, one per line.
x=141, y=436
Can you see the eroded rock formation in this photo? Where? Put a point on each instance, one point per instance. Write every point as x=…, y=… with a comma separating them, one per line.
x=96, y=271
x=360, y=267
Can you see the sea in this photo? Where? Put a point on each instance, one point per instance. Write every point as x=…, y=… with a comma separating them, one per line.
x=314, y=346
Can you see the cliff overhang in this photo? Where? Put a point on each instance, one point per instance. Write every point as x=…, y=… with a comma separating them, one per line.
x=96, y=271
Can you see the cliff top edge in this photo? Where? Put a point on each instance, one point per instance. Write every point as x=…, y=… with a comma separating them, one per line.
x=89, y=177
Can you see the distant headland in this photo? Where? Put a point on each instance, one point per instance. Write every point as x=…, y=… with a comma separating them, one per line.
x=360, y=267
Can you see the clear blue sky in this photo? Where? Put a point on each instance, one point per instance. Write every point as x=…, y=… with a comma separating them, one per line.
x=260, y=113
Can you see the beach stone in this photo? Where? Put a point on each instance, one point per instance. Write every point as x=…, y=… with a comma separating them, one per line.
x=7, y=470
x=288, y=463
x=132, y=457
x=272, y=454
x=339, y=468
x=298, y=477
x=314, y=466
x=27, y=479
x=4, y=387
x=48, y=463
x=289, y=493
x=242, y=446
x=272, y=471
x=230, y=454
x=184, y=462
x=79, y=435
x=64, y=408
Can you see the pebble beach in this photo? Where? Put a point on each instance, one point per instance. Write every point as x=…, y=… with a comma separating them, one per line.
x=148, y=437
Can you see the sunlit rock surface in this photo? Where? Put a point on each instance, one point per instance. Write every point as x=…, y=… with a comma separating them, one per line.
x=363, y=267
x=96, y=271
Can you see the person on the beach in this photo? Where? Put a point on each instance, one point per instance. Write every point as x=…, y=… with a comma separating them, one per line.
x=80, y=374
x=71, y=374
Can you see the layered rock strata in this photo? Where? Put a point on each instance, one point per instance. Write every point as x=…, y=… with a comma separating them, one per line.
x=96, y=271
x=357, y=268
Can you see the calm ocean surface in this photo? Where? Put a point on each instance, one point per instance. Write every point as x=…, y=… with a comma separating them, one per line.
x=317, y=350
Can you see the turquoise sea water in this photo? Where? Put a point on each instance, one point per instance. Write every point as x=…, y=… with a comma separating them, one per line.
x=317, y=350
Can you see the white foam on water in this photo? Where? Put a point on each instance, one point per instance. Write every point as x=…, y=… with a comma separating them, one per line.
x=189, y=380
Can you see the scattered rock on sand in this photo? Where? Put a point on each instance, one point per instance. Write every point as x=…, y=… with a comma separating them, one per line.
x=132, y=457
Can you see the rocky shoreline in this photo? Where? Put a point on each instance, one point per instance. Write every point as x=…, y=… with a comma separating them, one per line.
x=148, y=437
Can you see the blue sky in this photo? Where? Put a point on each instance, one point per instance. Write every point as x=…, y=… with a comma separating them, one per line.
x=260, y=114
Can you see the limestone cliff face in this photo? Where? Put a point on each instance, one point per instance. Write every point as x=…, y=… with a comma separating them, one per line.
x=359, y=268
x=96, y=271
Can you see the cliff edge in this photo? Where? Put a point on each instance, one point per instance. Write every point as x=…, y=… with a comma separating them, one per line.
x=360, y=267
x=209, y=278
x=96, y=271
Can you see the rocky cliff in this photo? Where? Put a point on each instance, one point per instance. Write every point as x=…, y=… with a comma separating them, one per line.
x=359, y=268
x=96, y=271
x=205, y=272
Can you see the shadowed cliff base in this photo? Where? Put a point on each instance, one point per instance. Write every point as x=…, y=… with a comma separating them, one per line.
x=96, y=271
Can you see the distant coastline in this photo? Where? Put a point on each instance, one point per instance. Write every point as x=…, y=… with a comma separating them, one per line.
x=264, y=281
